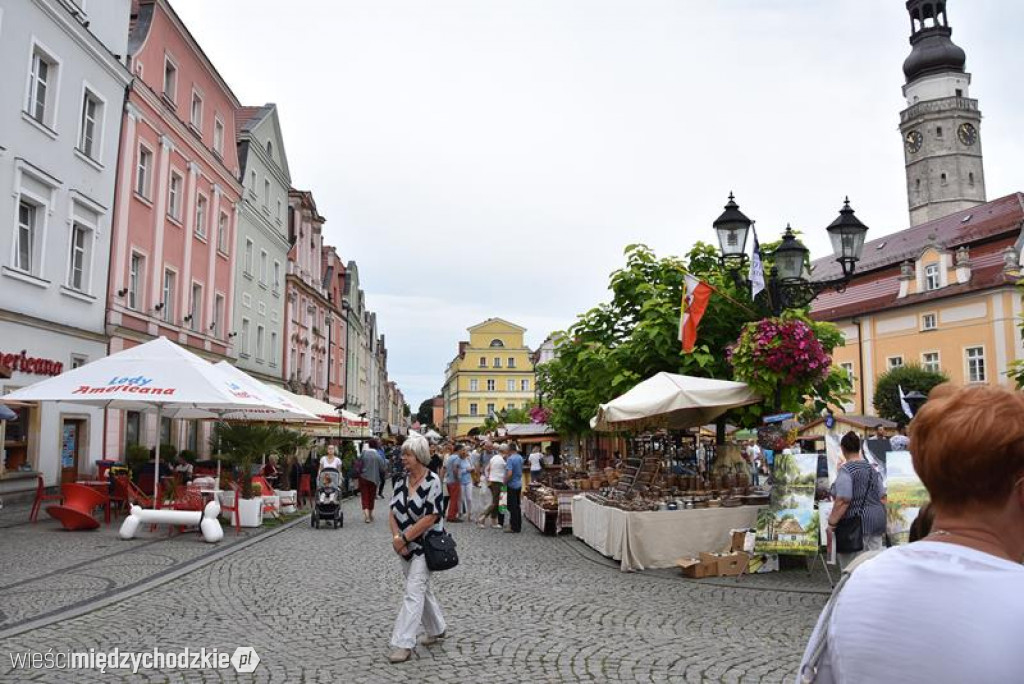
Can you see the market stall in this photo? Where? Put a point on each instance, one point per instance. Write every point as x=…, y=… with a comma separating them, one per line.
x=675, y=495
x=654, y=539
x=550, y=510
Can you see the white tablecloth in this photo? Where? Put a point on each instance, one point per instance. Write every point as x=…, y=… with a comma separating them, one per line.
x=655, y=539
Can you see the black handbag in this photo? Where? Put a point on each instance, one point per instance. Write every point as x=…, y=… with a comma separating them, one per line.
x=439, y=551
x=849, y=533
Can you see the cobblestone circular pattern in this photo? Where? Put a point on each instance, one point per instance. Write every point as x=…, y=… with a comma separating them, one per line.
x=318, y=605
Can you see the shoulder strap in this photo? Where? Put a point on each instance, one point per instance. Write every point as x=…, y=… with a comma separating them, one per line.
x=809, y=670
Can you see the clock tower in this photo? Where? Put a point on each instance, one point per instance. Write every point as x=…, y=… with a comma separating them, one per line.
x=941, y=126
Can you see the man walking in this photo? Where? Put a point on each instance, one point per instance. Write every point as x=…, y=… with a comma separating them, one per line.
x=514, y=482
x=495, y=477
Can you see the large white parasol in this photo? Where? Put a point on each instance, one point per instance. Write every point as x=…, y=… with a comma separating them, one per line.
x=158, y=375
x=286, y=411
x=672, y=401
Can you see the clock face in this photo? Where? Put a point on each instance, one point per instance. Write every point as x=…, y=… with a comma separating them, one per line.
x=913, y=141
x=967, y=133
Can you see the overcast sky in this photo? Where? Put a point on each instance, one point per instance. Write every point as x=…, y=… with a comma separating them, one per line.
x=484, y=158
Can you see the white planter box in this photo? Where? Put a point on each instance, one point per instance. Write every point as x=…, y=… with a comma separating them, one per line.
x=250, y=512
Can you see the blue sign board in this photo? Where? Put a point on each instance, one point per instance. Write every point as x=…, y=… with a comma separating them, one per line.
x=777, y=418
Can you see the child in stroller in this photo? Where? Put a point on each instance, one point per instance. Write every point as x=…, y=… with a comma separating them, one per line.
x=327, y=501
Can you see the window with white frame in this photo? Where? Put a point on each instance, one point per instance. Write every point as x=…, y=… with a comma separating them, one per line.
x=247, y=264
x=928, y=321
x=483, y=362
x=201, y=216
x=78, y=360
x=252, y=182
x=848, y=369
x=473, y=411
x=894, y=361
x=170, y=80
x=931, y=277
x=259, y=342
x=490, y=409
x=243, y=342
x=280, y=213
x=497, y=362
x=524, y=386
x=78, y=263
x=174, y=195
x=975, y=364
x=277, y=275
x=511, y=362
x=195, y=321
x=266, y=194
x=144, y=172
x=222, y=232
x=136, y=272
x=196, y=118
x=490, y=385
x=218, y=316
x=170, y=282
x=26, y=236
x=263, y=267
x=90, y=127
x=510, y=385
x=273, y=349
x=42, y=87
x=930, y=362
x=218, y=136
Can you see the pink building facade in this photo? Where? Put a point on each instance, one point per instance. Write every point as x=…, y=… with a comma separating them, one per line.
x=175, y=212
x=307, y=309
x=337, y=330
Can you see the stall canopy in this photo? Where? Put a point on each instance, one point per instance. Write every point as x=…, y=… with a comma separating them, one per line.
x=672, y=401
x=531, y=432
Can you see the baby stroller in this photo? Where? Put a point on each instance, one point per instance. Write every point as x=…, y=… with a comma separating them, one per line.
x=327, y=500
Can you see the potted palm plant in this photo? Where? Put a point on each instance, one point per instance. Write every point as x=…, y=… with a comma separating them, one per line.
x=245, y=444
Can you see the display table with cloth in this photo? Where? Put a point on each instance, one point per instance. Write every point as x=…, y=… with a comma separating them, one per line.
x=551, y=521
x=656, y=539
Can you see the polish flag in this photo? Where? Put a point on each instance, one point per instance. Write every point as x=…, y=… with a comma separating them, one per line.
x=695, y=301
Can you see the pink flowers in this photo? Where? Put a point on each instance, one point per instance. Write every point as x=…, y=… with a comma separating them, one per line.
x=779, y=350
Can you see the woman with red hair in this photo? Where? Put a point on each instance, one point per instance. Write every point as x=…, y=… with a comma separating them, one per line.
x=950, y=607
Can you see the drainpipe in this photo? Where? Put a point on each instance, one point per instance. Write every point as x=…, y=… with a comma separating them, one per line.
x=860, y=364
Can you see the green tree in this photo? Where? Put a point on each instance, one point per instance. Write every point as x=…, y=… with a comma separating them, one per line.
x=247, y=443
x=425, y=414
x=910, y=377
x=615, y=345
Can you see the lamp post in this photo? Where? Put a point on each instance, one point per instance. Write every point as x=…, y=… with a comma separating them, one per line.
x=787, y=283
x=915, y=400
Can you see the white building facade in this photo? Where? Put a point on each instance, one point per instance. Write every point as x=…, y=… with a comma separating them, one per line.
x=262, y=246
x=64, y=82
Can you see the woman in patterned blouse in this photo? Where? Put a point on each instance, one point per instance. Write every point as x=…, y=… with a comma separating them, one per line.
x=416, y=508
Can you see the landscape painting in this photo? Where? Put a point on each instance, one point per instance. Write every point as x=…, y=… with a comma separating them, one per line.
x=905, y=494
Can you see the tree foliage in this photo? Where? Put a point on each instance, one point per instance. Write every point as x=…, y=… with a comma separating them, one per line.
x=910, y=377
x=425, y=414
x=635, y=335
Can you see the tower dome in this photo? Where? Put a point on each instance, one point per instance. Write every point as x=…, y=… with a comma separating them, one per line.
x=933, y=50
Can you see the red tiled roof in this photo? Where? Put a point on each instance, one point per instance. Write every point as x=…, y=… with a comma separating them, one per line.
x=882, y=292
x=245, y=117
x=965, y=227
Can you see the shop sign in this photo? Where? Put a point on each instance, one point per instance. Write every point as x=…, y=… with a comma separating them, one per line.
x=777, y=418
x=27, y=364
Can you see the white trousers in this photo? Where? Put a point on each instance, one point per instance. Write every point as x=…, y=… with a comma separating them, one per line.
x=466, y=495
x=419, y=606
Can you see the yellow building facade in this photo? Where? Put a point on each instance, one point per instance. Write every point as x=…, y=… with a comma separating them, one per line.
x=492, y=372
x=941, y=295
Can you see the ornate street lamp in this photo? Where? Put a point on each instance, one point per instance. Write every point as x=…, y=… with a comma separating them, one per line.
x=732, y=228
x=788, y=284
x=915, y=400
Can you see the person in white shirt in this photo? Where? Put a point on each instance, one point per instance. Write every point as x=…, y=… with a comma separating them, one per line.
x=948, y=608
x=330, y=460
x=536, y=460
x=495, y=476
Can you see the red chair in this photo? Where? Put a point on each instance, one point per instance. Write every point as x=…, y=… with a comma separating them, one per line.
x=305, y=492
x=79, y=503
x=233, y=510
x=41, y=496
x=127, y=493
x=189, y=499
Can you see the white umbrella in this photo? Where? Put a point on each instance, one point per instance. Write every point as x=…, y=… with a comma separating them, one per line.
x=157, y=375
x=672, y=401
x=281, y=409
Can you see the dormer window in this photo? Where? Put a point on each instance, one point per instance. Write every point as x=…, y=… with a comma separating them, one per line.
x=497, y=343
x=931, y=277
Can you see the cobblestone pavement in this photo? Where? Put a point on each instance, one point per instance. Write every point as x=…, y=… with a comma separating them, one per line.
x=318, y=605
